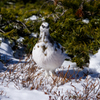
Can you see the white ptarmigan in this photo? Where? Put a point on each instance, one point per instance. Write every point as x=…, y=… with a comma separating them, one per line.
x=47, y=53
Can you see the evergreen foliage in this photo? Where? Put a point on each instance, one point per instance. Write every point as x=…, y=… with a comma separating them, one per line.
x=66, y=26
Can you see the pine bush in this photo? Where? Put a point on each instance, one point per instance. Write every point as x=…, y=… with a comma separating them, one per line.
x=66, y=25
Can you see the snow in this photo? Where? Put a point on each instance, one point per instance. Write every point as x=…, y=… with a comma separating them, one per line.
x=95, y=62
x=15, y=94
x=33, y=17
x=0, y=39
x=85, y=20
x=20, y=39
x=12, y=92
x=34, y=34
x=5, y=48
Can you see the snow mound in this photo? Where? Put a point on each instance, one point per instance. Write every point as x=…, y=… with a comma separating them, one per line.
x=6, y=48
x=95, y=62
x=33, y=17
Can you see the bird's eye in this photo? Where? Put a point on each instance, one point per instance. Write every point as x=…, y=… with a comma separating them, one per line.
x=43, y=26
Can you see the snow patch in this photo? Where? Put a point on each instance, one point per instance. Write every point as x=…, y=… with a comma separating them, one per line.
x=85, y=20
x=6, y=48
x=23, y=94
x=33, y=17
x=95, y=62
x=20, y=39
x=34, y=35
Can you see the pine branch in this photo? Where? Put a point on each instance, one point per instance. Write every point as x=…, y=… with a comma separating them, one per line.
x=16, y=21
x=2, y=31
x=43, y=5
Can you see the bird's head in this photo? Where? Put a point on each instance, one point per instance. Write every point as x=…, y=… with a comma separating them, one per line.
x=44, y=27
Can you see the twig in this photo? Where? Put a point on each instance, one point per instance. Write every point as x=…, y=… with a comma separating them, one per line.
x=17, y=21
x=54, y=15
x=57, y=15
x=43, y=5
x=2, y=31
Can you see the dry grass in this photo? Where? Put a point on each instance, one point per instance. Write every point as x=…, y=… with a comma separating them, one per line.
x=91, y=91
x=28, y=75
x=3, y=94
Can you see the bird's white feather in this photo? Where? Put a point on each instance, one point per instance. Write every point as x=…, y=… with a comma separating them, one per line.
x=47, y=53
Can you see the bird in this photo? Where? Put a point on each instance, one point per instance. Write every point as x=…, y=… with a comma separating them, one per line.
x=47, y=53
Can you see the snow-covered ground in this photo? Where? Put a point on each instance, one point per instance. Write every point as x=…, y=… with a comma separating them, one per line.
x=11, y=93
x=77, y=82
